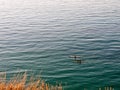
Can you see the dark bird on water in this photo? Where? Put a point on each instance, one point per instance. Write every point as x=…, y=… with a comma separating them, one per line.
x=75, y=59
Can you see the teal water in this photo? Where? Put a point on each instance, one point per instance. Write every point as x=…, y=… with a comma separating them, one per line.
x=38, y=36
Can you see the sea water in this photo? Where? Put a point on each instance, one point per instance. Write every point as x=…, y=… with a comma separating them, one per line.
x=39, y=36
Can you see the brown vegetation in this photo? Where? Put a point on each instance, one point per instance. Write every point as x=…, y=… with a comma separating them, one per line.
x=19, y=83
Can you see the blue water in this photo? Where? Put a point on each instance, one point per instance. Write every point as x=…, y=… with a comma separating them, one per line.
x=38, y=36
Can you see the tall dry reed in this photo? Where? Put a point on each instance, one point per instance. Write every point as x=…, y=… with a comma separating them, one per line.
x=19, y=83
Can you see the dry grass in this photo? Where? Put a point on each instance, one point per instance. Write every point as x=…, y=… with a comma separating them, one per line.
x=19, y=83
x=106, y=88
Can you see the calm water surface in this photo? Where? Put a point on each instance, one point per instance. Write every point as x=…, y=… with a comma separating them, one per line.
x=38, y=36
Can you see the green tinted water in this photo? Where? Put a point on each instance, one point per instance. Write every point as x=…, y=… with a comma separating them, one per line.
x=39, y=36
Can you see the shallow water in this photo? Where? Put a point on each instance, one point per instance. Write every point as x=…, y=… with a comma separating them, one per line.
x=39, y=36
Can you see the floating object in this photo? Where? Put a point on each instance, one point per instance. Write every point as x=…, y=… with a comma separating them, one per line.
x=75, y=59
x=74, y=56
